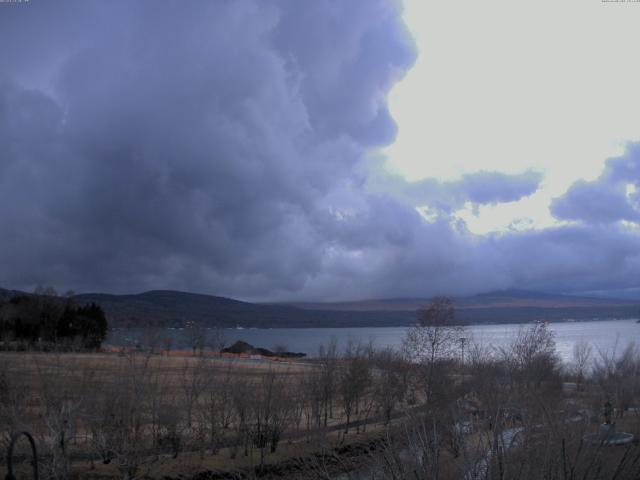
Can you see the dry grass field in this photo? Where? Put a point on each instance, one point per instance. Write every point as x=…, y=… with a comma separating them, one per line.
x=517, y=413
x=185, y=413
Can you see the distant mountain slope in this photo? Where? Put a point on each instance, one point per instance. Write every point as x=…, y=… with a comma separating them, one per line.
x=7, y=294
x=172, y=308
x=520, y=298
x=491, y=300
x=166, y=308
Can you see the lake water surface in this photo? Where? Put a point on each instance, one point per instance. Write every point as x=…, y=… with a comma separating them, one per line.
x=602, y=334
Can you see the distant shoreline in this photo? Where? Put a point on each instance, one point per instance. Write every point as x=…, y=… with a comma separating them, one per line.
x=408, y=325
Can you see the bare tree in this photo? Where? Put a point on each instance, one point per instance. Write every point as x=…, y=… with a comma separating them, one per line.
x=195, y=337
x=390, y=380
x=167, y=344
x=532, y=356
x=434, y=338
x=216, y=410
x=242, y=396
x=313, y=398
x=582, y=352
x=328, y=376
x=59, y=414
x=216, y=339
x=618, y=374
x=118, y=418
x=192, y=384
x=355, y=379
x=269, y=412
x=60, y=420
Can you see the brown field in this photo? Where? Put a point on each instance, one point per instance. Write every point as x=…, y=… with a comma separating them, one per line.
x=134, y=415
x=41, y=384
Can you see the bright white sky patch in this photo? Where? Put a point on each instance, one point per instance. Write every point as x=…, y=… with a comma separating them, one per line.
x=512, y=85
x=530, y=212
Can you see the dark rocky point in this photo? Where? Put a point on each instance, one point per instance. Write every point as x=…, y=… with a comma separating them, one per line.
x=244, y=347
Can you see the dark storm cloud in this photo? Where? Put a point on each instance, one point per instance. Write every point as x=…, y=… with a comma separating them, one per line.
x=608, y=198
x=573, y=258
x=186, y=144
x=224, y=147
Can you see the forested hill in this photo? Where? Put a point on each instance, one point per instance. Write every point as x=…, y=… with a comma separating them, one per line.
x=166, y=307
x=177, y=308
x=7, y=294
x=172, y=308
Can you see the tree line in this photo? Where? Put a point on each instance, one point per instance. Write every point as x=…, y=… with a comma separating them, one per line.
x=48, y=321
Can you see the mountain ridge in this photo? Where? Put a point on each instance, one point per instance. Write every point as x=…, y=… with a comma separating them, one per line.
x=493, y=299
x=174, y=308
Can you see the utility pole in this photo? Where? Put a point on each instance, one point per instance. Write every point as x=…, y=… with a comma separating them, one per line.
x=462, y=342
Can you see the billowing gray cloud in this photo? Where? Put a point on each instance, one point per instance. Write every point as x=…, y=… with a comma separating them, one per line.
x=608, y=198
x=480, y=188
x=224, y=147
x=186, y=145
x=495, y=187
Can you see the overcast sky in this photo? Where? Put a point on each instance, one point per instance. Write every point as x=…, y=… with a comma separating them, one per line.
x=325, y=150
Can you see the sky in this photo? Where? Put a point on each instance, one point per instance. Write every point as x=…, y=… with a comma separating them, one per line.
x=513, y=86
x=330, y=150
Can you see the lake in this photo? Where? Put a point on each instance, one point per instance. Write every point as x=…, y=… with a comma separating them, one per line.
x=602, y=334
